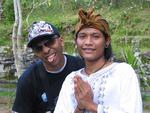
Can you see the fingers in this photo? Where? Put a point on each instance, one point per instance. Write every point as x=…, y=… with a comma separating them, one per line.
x=78, y=88
x=83, y=92
x=81, y=87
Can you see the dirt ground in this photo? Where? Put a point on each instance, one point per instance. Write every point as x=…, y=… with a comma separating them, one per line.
x=5, y=109
x=5, y=106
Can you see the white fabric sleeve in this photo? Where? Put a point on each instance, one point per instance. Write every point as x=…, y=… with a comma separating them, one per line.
x=130, y=97
x=66, y=101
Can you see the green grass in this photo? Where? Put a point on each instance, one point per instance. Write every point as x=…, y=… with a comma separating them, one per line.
x=8, y=85
x=7, y=94
x=123, y=21
x=146, y=98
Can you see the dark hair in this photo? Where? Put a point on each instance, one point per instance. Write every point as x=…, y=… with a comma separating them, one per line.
x=108, y=52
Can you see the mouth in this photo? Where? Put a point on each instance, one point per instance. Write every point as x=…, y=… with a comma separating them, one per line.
x=88, y=50
x=51, y=57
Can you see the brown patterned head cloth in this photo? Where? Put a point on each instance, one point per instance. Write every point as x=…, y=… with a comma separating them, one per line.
x=89, y=19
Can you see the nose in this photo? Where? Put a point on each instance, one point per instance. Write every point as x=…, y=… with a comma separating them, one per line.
x=88, y=40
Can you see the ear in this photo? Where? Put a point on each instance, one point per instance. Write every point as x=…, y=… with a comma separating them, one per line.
x=107, y=41
x=75, y=41
x=62, y=41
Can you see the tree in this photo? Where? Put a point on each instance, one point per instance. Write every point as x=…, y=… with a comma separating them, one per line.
x=36, y=5
x=16, y=38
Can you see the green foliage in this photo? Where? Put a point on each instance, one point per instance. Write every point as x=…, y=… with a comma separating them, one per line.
x=5, y=33
x=132, y=55
x=8, y=11
x=26, y=7
x=70, y=47
x=9, y=85
x=146, y=98
x=128, y=56
x=123, y=21
x=27, y=3
x=129, y=22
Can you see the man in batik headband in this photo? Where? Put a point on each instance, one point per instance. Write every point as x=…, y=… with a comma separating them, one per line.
x=90, y=20
x=102, y=86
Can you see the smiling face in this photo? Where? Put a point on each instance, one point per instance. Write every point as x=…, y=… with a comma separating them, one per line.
x=91, y=44
x=51, y=53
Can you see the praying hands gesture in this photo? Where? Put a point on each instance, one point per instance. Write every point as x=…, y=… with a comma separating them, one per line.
x=84, y=96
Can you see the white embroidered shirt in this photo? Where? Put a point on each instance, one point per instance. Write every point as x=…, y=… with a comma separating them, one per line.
x=115, y=89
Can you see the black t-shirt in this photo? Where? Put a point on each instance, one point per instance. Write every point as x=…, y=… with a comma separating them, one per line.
x=31, y=96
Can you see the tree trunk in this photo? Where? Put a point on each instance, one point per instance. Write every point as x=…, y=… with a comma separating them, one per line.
x=16, y=38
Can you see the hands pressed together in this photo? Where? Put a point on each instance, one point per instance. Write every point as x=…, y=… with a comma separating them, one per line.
x=84, y=96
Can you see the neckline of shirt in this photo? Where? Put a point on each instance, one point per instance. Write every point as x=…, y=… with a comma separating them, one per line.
x=61, y=69
x=99, y=71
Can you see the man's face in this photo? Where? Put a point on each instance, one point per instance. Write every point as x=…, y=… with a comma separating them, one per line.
x=91, y=43
x=49, y=50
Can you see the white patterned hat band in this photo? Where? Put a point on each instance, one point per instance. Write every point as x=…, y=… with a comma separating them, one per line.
x=41, y=29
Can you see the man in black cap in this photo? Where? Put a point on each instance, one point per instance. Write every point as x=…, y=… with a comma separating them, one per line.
x=39, y=86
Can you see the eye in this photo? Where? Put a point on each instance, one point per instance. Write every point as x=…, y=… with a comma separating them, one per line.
x=81, y=36
x=50, y=42
x=96, y=36
x=37, y=48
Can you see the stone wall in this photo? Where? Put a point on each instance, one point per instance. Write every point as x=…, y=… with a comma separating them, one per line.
x=7, y=66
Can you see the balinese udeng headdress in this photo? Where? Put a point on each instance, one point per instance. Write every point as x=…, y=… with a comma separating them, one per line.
x=88, y=19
